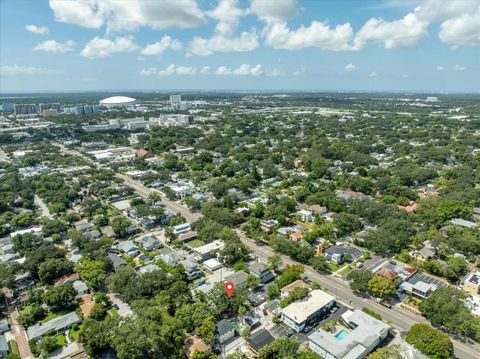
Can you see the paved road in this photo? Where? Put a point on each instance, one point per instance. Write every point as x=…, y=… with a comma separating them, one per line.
x=142, y=190
x=20, y=336
x=43, y=207
x=401, y=320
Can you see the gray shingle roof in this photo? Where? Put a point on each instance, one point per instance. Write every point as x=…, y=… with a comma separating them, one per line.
x=38, y=330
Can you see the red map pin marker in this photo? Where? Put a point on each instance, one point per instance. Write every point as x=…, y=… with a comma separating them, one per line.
x=229, y=288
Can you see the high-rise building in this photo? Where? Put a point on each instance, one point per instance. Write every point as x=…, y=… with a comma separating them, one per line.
x=175, y=100
x=49, y=106
x=185, y=105
x=7, y=107
x=25, y=109
x=81, y=110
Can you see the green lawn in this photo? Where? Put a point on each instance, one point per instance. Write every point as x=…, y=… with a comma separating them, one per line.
x=61, y=340
x=74, y=334
x=14, y=347
x=333, y=267
x=50, y=316
x=113, y=312
x=195, y=243
x=345, y=270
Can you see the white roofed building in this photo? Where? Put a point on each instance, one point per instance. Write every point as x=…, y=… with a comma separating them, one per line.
x=117, y=101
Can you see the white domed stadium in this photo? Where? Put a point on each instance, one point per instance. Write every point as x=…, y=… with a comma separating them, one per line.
x=117, y=101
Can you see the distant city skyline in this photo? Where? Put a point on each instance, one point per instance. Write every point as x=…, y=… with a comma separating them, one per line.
x=244, y=45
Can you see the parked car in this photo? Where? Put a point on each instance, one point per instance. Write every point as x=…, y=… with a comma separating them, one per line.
x=359, y=265
x=307, y=329
x=289, y=333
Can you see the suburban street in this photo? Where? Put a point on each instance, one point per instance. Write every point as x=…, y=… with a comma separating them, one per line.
x=401, y=320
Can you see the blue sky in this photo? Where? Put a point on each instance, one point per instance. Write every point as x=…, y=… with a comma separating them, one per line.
x=393, y=45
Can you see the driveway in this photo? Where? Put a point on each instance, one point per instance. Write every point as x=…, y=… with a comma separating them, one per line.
x=122, y=308
x=20, y=336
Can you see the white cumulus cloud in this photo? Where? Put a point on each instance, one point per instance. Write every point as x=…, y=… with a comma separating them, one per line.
x=205, y=70
x=128, y=15
x=18, y=70
x=39, y=30
x=279, y=36
x=224, y=40
x=299, y=72
x=170, y=70
x=459, y=67
x=406, y=32
x=440, y=68
x=184, y=70
x=373, y=74
x=54, y=46
x=98, y=48
x=274, y=73
x=274, y=9
x=160, y=46
x=242, y=70
x=350, y=67
x=461, y=30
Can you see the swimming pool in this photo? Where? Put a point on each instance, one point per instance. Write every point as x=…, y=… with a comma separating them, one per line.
x=341, y=334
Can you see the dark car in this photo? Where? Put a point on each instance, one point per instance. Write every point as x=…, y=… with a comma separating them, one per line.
x=289, y=333
x=307, y=329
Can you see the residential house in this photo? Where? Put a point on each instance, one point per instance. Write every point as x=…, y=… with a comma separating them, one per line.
x=298, y=315
x=239, y=279
x=4, y=348
x=194, y=345
x=95, y=234
x=349, y=195
x=305, y=216
x=463, y=223
x=212, y=264
x=117, y=261
x=337, y=254
x=225, y=331
x=181, y=228
x=296, y=235
x=108, y=231
x=187, y=236
x=268, y=225
x=285, y=291
x=208, y=250
x=129, y=248
x=259, y=339
x=83, y=225
x=181, y=191
x=4, y=326
x=170, y=256
x=471, y=284
x=81, y=288
x=262, y=272
x=149, y=243
x=363, y=335
x=56, y=325
x=66, y=279
x=424, y=253
x=317, y=209
x=148, y=268
x=421, y=285
x=192, y=269
x=143, y=153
